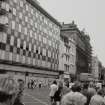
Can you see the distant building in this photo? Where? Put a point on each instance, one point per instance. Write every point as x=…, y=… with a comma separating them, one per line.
x=29, y=39
x=83, y=47
x=67, y=60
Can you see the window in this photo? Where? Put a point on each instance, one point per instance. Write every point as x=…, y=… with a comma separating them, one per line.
x=34, y=48
x=26, y=19
x=21, y=3
x=13, y=25
x=4, y=38
x=35, y=35
x=30, y=46
x=15, y=1
x=20, y=28
x=39, y=50
x=18, y=43
x=24, y=45
x=53, y=44
x=49, y=42
x=25, y=31
x=36, y=25
x=20, y=15
x=49, y=54
x=31, y=11
x=12, y=40
x=44, y=40
x=31, y=21
x=36, y=14
x=14, y=11
x=44, y=52
x=65, y=67
x=30, y=33
x=40, y=39
x=26, y=7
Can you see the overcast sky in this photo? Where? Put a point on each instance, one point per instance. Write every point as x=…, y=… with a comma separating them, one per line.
x=88, y=14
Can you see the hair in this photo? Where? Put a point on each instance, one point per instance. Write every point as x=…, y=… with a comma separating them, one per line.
x=103, y=85
x=73, y=88
x=77, y=88
x=4, y=97
x=100, y=92
x=55, y=82
x=85, y=86
x=20, y=80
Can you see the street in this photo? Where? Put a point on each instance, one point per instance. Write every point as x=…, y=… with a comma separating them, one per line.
x=36, y=96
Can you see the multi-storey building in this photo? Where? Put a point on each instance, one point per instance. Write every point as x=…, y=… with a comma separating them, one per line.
x=83, y=47
x=67, y=61
x=29, y=39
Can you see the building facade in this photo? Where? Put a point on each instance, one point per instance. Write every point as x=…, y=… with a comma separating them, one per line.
x=67, y=61
x=29, y=39
x=83, y=47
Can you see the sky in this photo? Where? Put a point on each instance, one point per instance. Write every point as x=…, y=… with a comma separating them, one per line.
x=88, y=14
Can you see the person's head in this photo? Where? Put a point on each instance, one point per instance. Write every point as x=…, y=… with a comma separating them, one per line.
x=100, y=92
x=77, y=87
x=8, y=90
x=60, y=84
x=103, y=86
x=55, y=82
x=73, y=88
x=85, y=86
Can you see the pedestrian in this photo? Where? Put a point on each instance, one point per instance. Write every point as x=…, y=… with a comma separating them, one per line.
x=58, y=94
x=65, y=89
x=18, y=100
x=98, y=98
x=8, y=90
x=67, y=99
x=92, y=90
x=78, y=98
x=32, y=84
x=103, y=88
x=53, y=89
x=40, y=85
x=86, y=93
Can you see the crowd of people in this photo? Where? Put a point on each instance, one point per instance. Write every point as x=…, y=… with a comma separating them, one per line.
x=77, y=94
x=61, y=93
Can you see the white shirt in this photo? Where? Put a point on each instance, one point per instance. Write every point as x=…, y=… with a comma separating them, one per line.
x=97, y=100
x=53, y=88
x=67, y=99
x=79, y=99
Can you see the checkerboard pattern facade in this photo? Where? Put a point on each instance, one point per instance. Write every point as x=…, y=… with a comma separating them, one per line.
x=31, y=37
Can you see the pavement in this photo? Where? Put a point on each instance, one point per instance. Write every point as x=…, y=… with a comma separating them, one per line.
x=36, y=96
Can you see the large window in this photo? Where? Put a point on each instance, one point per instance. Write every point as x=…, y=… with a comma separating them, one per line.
x=66, y=67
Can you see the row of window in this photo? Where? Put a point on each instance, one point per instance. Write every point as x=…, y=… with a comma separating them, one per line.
x=70, y=58
x=69, y=68
x=32, y=12
x=25, y=60
x=27, y=52
x=34, y=27
x=4, y=6
x=33, y=34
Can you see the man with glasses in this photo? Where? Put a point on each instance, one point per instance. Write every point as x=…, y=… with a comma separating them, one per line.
x=8, y=90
